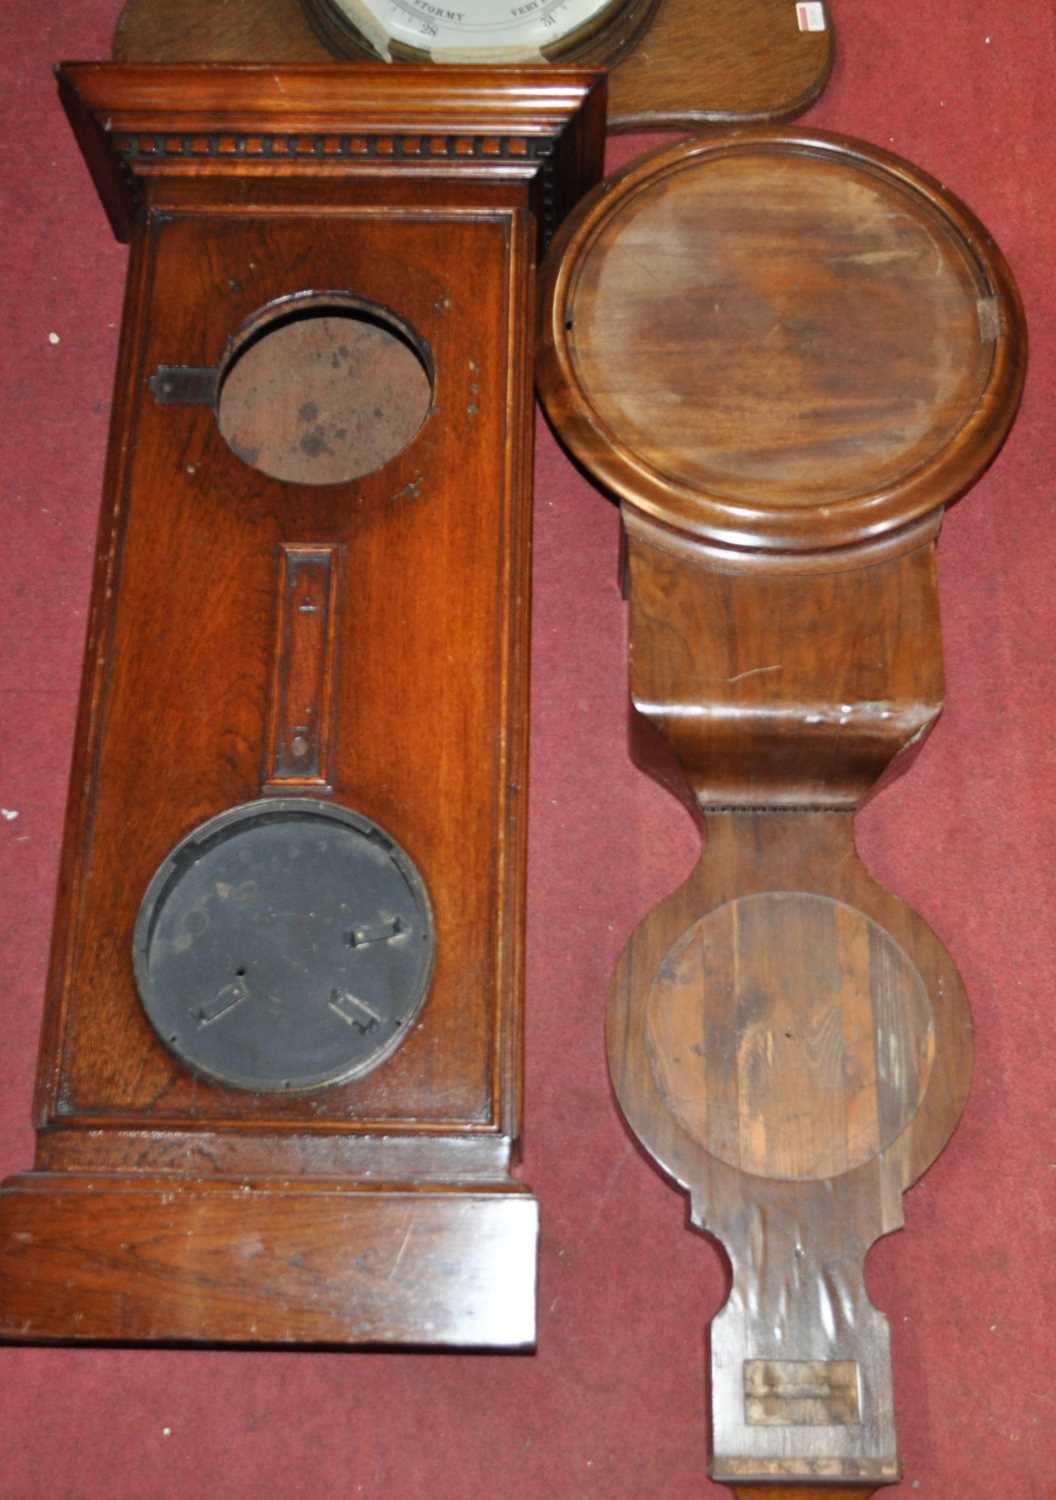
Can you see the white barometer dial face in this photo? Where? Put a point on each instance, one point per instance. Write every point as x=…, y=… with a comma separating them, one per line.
x=473, y=30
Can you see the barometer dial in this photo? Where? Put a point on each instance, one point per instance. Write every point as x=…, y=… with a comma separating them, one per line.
x=502, y=31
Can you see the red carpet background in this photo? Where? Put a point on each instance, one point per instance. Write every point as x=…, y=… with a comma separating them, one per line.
x=613, y=1403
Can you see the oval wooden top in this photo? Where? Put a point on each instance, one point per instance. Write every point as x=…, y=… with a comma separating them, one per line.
x=778, y=341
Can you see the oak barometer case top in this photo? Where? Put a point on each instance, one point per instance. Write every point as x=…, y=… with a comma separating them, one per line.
x=785, y=354
x=279, y=1089
x=675, y=64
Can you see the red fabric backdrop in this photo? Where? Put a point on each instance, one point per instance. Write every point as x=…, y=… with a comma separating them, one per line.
x=613, y=1403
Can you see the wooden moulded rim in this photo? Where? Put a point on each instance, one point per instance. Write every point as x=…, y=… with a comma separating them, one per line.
x=883, y=520
x=137, y=123
x=315, y=96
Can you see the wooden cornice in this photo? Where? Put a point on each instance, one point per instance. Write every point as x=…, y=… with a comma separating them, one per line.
x=242, y=118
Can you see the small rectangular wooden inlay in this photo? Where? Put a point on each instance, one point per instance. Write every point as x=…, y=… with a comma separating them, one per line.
x=300, y=711
x=801, y=1393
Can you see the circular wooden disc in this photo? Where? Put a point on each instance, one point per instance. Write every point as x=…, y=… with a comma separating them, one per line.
x=780, y=342
x=790, y=1035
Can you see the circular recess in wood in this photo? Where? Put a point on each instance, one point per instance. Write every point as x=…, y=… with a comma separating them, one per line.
x=790, y=1035
x=322, y=389
x=780, y=341
x=284, y=945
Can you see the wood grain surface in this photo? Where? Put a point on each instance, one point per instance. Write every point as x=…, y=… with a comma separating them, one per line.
x=806, y=328
x=263, y=1262
x=614, y=1404
x=783, y=687
x=247, y=121
x=188, y=645
x=780, y=341
x=326, y=398
x=791, y=1035
x=698, y=61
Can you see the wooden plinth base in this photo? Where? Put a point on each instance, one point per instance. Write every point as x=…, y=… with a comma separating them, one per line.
x=224, y=1261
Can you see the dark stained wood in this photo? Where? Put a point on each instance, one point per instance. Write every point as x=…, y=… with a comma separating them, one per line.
x=166, y=685
x=363, y=643
x=796, y=287
x=822, y=1076
x=203, y=31
x=697, y=61
x=785, y=355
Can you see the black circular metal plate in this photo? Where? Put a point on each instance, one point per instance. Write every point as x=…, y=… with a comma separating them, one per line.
x=284, y=945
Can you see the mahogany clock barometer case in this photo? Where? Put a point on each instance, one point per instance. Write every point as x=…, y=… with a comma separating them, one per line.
x=279, y=1088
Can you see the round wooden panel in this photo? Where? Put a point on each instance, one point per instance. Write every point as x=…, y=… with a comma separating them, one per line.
x=790, y=1035
x=779, y=340
x=797, y=330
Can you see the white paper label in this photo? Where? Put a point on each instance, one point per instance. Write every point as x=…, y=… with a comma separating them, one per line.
x=811, y=16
